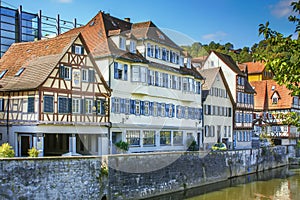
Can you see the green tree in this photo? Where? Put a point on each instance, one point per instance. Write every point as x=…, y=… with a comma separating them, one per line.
x=281, y=55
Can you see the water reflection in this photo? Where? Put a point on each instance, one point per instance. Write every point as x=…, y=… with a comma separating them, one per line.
x=276, y=184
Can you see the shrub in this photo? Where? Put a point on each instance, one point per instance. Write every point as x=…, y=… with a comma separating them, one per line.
x=6, y=151
x=122, y=145
x=33, y=152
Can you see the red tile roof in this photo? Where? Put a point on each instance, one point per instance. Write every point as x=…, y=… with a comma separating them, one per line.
x=264, y=93
x=255, y=67
x=38, y=58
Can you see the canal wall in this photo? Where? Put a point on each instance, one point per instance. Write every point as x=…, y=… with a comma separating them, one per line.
x=129, y=176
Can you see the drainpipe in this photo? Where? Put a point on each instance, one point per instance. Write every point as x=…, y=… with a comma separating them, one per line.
x=7, y=117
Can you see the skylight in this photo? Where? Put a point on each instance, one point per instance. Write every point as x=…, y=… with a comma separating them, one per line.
x=273, y=88
x=3, y=73
x=20, y=71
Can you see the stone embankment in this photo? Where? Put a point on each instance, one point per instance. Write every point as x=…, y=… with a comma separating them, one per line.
x=133, y=176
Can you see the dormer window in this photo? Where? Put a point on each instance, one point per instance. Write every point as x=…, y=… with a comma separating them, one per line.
x=20, y=71
x=132, y=46
x=3, y=73
x=78, y=49
x=122, y=43
x=275, y=98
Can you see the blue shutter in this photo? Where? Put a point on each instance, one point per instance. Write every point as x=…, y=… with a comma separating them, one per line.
x=149, y=78
x=116, y=75
x=177, y=114
x=112, y=105
x=91, y=76
x=69, y=105
x=82, y=106
x=142, y=104
x=102, y=104
x=73, y=49
x=150, y=108
x=132, y=106
x=82, y=50
x=158, y=109
x=156, y=78
x=30, y=107
x=62, y=71
x=173, y=110
x=125, y=72
x=167, y=110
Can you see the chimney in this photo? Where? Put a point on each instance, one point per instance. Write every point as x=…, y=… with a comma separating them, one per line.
x=127, y=19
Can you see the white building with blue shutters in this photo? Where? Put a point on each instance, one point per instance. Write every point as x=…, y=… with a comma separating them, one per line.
x=156, y=94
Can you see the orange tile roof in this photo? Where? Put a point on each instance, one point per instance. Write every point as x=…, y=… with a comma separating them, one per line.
x=265, y=90
x=255, y=67
x=38, y=58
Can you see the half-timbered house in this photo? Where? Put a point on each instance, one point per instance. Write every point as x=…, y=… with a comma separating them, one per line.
x=53, y=97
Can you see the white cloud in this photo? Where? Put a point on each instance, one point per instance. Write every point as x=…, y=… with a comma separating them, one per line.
x=217, y=36
x=282, y=8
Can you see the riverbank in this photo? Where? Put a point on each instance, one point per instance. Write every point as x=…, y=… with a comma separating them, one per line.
x=130, y=176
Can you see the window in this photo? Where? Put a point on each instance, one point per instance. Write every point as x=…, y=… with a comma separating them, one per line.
x=229, y=131
x=84, y=75
x=274, y=99
x=65, y=72
x=177, y=137
x=146, y=108
x=120, y=71
x=88, y=106
x=48, y=104
x=137, y=107
x=164, y=54
x=122, y=42
x=91, y=76
x=151, y=77
x=132, y=46
x=127, y=106
x=30, y=106
x=78, y=49
x=163, y=109
x=150, y=50
x=155, y=110
x=101, y=106
x=133, y=137
x=20, y=71
x=165, y=137
x=63, y=105
x=116, y=105
x=148, y=138
x=135, y=74
x=76, y=106
x=1, y=105
x=3, y=73
x=184, y=84
x=225, y=131
x=157, y=52
x=143, y=72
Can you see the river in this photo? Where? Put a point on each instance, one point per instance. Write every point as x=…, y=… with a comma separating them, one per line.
x=277, y=184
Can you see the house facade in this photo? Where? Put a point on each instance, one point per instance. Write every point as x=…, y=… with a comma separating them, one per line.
x=156, y=94
x=54, y=98
x=217, y=117
x=272, y=99
x=242, y=94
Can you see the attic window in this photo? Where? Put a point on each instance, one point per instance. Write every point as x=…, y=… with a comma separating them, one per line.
x=3, y=73
x=92, y=23
x=274, y=100
x=20, y=71
x=273, y=88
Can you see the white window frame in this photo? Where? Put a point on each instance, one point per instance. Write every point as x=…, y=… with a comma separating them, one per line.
x=76, y=106
x=88, y=106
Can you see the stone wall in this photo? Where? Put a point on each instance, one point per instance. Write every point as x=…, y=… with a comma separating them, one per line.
x=133, y=176
x=52, y=178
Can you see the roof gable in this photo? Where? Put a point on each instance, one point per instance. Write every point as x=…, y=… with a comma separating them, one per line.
x=228, y=61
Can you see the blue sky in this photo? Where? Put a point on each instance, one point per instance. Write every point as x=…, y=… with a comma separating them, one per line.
x=186, y=21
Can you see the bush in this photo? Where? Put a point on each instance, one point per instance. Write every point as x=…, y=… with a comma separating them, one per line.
x=122, y=145
x=33, y=152
x=6, y=151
